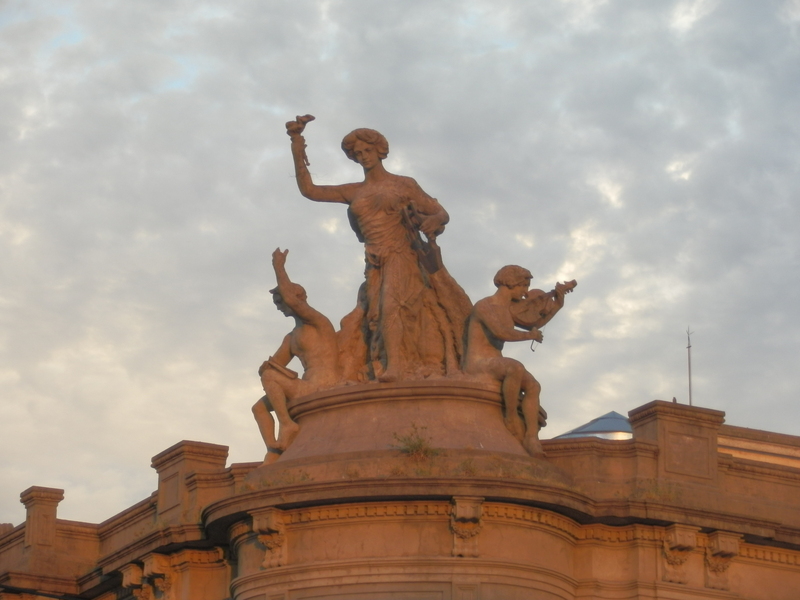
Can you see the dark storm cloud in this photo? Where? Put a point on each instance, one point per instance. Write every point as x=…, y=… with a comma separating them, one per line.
x=648, y=149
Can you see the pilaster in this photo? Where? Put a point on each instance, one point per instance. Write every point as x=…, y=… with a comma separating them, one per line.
x=686, y=438
x=41, y=504
x=173, y=466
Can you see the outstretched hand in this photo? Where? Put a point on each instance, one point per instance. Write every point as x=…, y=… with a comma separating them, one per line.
x=296, y=127
x=279, y=258
x=536, y=335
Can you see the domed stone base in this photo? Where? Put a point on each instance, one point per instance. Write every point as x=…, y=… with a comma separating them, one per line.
x=445, y=435
x=413, y=490
x=374, y=417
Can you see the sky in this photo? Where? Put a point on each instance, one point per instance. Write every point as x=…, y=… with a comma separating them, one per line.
x=648, y=149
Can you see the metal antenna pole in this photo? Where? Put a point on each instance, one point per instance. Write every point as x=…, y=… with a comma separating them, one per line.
x=689, y=352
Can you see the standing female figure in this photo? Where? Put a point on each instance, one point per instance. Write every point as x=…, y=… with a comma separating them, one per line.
x=409, y=322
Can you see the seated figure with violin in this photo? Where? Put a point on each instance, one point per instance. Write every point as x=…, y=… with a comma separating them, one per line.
x=514, y=313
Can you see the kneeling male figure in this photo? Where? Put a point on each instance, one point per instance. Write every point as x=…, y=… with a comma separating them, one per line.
x=313, y=341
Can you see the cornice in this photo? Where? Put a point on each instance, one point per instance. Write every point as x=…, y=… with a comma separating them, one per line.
x=15, y=536
x=616, y=448
x=344, y=491
x=41, y=495
x=497, y=511
x=49, y=583
x=743, y=467
x=674, y=411
x=77, y=530
x=187, y=449
x=182, y=534
x=769, y=437
x=143, y=509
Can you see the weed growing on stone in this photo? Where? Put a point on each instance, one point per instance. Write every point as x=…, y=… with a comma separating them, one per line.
x=415, y=445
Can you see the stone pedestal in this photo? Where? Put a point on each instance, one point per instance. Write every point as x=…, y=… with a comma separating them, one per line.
x=374, y=417
x=414, y=490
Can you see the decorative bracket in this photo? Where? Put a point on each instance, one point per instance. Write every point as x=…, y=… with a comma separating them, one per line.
x=679, y=542
x=133, y=579
x=270, y=526
x=158, y=570
x=721, y=549
x=466, y=523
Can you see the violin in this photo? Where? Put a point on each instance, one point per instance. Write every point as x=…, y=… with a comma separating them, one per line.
x=538, y=306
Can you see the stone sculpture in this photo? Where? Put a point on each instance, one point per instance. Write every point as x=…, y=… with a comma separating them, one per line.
x=313, y=341
x=410, y=315
x=411, y=320
x=494, y=321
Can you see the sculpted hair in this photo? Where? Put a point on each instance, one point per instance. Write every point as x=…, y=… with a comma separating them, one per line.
x=512, y=276
x=370, y=136
x=294, y=288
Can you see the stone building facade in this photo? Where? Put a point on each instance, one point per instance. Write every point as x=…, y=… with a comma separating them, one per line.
x=417, y=491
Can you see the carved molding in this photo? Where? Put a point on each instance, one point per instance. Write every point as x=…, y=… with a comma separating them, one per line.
x=677, y=537
x=773, y=555
x=628, y=533
x=361, y=511
x=270, y=525
x=533, y=516
x=194, y=557
x=466, y=522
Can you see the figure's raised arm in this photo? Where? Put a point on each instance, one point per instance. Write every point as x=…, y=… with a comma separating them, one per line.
x=318, y=193
x=279, y=265
x=294, y=295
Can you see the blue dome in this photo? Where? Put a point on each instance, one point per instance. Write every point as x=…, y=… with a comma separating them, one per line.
x=611, y=426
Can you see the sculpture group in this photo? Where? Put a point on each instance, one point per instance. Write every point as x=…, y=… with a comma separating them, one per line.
x=411, y=320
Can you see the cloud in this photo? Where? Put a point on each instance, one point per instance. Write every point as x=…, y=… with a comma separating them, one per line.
x=648, y=150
